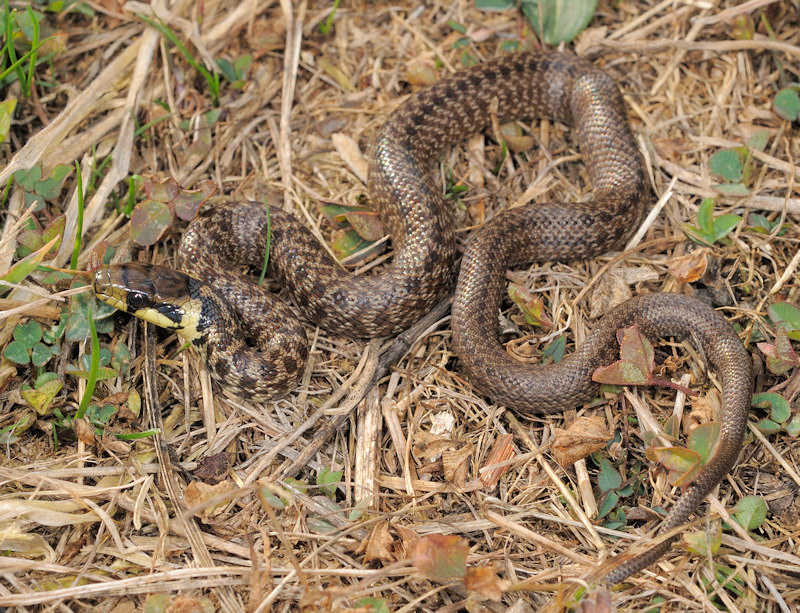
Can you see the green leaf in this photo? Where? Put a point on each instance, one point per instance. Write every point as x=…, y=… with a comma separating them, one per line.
x=328, y=480
x=50, y=188
x=759, y=223
x=701, y=543
x=40, y=354
x=41, y=398
x=373, y=605
x=456, y=26
x=367, y=224
x=758, y=140
x=703, y=439
x=17, y=352
x=750, y=512
x=683, y=464
x=558, y=20
x=793, y=427
x=149, y=221
x=103, y=373
x=698, y=235
x=732, y=189
x=724, y=224
x=6, y=115
x=346, y=243
x=44, y=378
x=494, y=5
x=27, y=178
x=727, y=164
x=120, y=358
x=28, y=333
x=227, y=69
x=532, y=305
x=787, y=104
x=555, y=351
x=705, y=216
x=781, y=357
x=27, y=265
x=608, y=478
x=778, y=405
x=788, y=316
x=767, y=426
x=636, y=360
x=609, y=503
x=100, y=416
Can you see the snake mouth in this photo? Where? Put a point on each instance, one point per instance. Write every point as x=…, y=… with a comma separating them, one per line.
x=157, y=294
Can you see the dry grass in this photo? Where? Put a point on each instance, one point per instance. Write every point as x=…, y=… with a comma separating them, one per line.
x=128, y=525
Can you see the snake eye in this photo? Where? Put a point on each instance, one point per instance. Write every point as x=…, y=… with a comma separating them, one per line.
x=137, y=300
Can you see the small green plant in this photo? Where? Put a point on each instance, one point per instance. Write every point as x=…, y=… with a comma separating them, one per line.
x=26, y=265
x=234, y=72
x=710, y=229
x=38, y=189
x=614, y=487
x=164, y=200
x=326, y=26
x=780, y=415
x=786, y=103
x=781, y=356
x=212, y=80
x=554, y=21
x=27, y=346
x=636, y=364
x=358, y=233
x=750, y=512
x=760, y=224
x=735, y=165
x=467, y=57
x=328, y=481
x=685, y=463
x=787, y=316
x=532, y=305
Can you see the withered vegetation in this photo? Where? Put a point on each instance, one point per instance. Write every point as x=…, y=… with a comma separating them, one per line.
x=201, y=510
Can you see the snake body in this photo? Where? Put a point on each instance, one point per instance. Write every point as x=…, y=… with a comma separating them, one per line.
x=406, y=196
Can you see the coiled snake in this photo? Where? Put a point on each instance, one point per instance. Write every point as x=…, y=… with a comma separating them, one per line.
x=409, y=201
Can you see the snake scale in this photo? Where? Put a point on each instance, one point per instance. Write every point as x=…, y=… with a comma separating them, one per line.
x=406, y=196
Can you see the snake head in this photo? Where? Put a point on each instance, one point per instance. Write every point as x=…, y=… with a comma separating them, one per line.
x=158, y=294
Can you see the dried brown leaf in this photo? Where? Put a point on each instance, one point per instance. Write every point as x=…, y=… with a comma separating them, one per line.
x=583, y=437
x=485, y=581
x=379, y=545
x=689, y=268
x=210, y=498
x=456, y=464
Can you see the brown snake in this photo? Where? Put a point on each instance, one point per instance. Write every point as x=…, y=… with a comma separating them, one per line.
x=406, y=196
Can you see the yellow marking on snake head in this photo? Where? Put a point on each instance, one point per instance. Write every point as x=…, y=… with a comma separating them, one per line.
x=156, y=294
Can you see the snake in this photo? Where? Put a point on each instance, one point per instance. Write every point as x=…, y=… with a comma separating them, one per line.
x=215, y=307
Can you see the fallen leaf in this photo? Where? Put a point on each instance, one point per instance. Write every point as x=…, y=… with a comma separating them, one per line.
x=485, y=581
x=582, y=438
x=440, y=557
x=379, y=545
x=421, y=72
x=210, y=498
x=455, y=463
x=636, y=363
x=689, y=268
